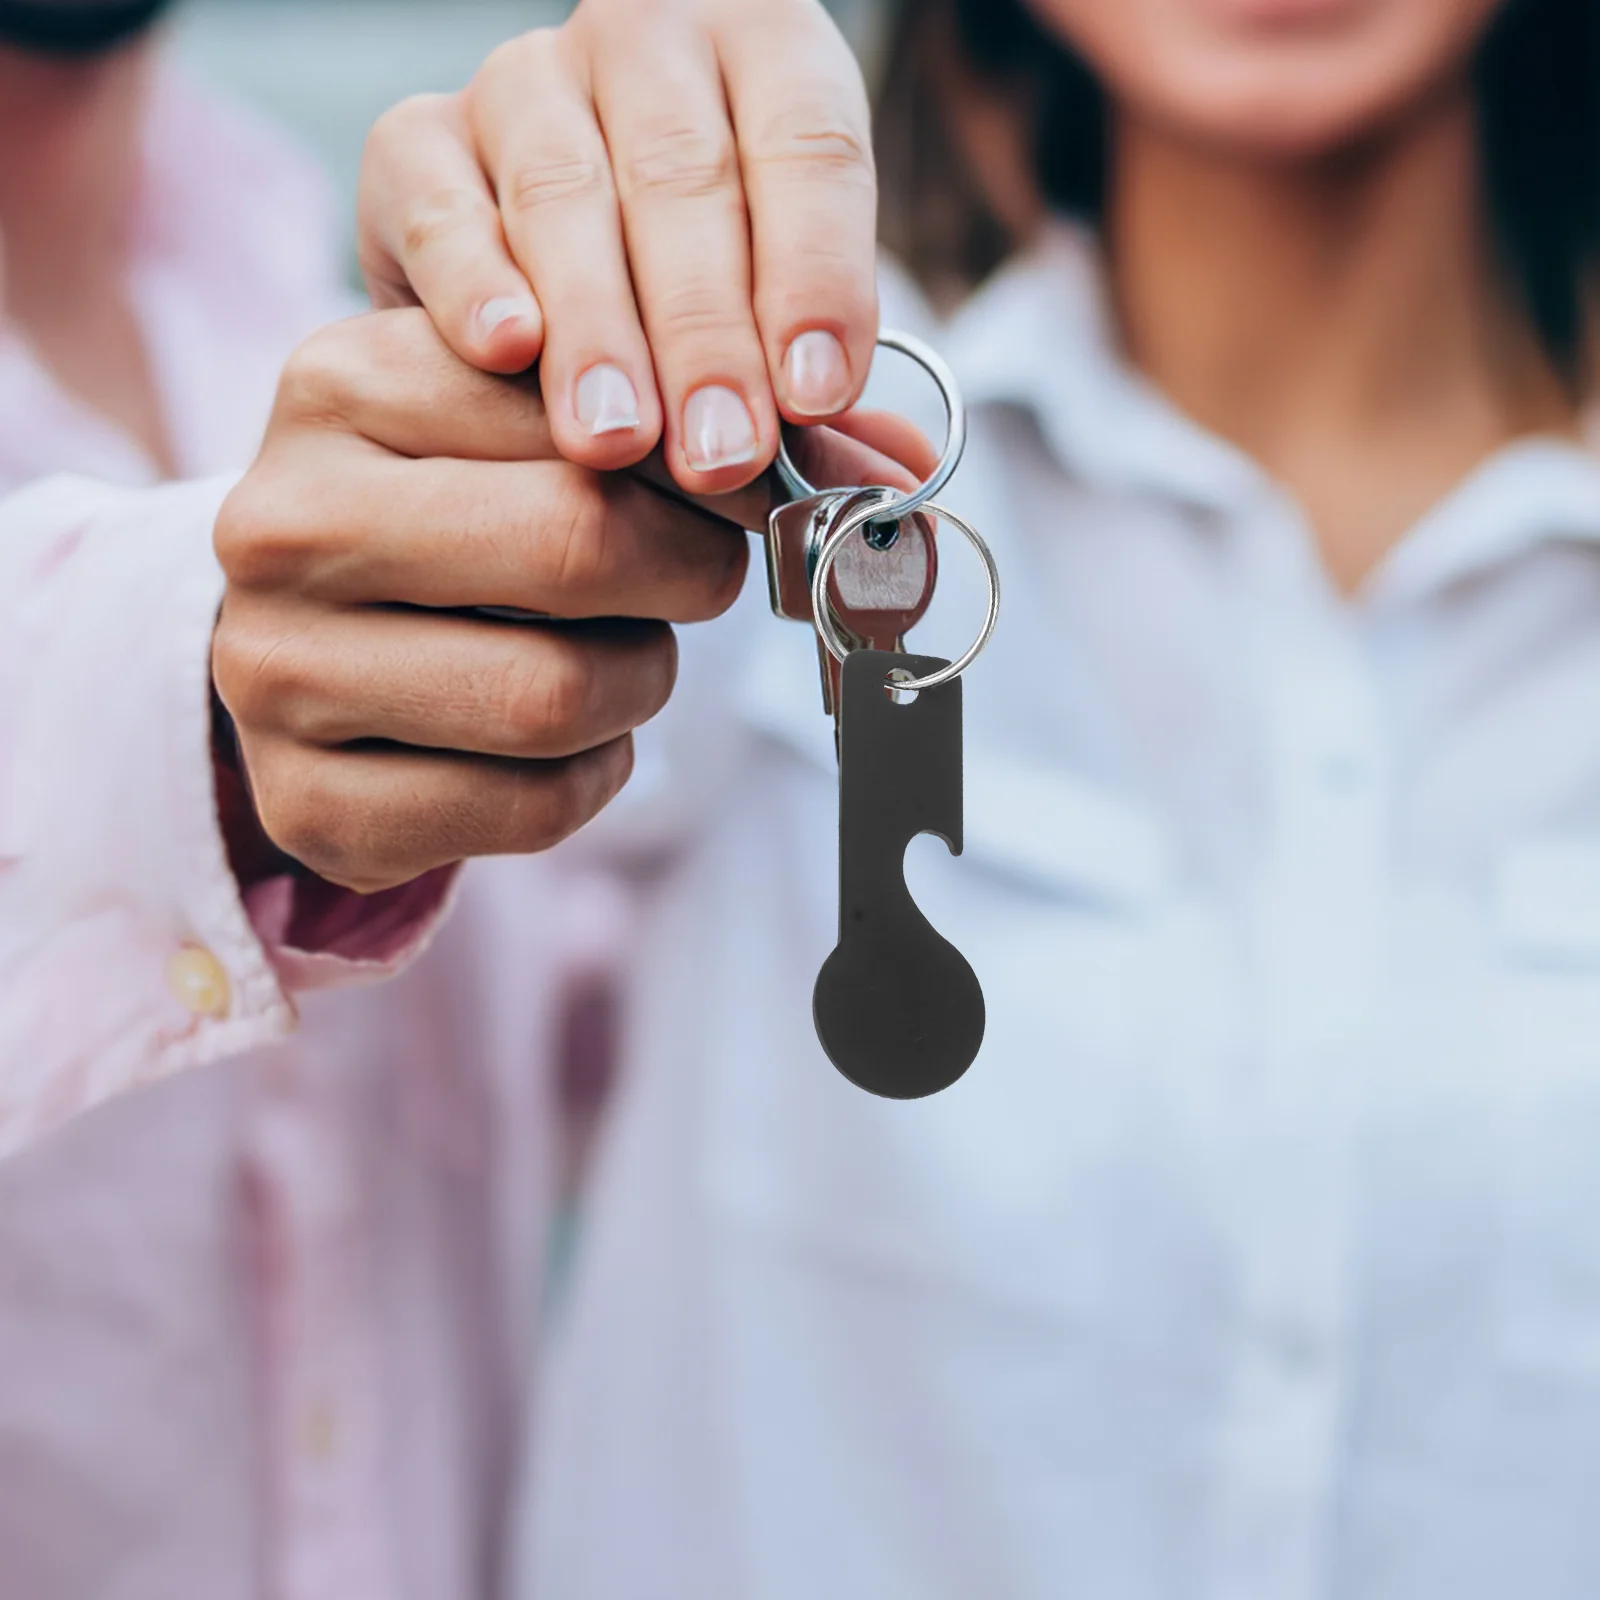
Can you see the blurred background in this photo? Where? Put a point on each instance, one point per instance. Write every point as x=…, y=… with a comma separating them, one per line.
x=329, y=68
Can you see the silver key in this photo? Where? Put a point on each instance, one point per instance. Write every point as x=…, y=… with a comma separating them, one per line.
x=877, y=595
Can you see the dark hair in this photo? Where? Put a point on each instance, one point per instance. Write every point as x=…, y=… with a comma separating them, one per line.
x=1538, y=77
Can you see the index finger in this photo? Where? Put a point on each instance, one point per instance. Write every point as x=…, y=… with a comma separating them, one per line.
x=430, y=235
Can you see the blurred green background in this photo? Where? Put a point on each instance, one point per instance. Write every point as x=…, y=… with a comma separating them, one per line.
x=329, y=68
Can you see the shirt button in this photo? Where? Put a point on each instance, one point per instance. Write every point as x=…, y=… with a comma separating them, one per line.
x=199, y=981
x=1345, y=774
x=320, y=1434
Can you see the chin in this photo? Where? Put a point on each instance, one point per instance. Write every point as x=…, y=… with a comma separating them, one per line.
x=1282, y=116
x=1275, y=79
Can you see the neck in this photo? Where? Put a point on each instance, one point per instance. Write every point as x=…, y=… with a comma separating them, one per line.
x=1343, y=320
x=69, y=170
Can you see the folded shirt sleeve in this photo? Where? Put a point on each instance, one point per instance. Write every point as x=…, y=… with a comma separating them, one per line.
x=128, y=950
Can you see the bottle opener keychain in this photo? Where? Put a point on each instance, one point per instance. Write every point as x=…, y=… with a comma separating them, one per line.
x=898, y=1009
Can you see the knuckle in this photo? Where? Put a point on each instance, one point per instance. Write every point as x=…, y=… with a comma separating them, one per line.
x=320, y=379
x=442, y=215
x=248, y=536
x=664, y=678
x=281, y=687
x=560, y=176
x=727, y=582
x=252, y=669
x=265, y=534
x=605, y=774
x=817, y=273
x=383, y=344
x=515, y=75
x=609, y=772
x=321, y=813
x=682, y=162
x=512, y=61
x=304, y=813
x=342, y=842
x=403, y=121
x=693, y=576
x=622, y=765
x=338, y=372
x=579, y=540
x=544, y=811
x=233, y=659
x=561, y=799
x=235, y=534
x=565, y=694
x=813, y=144
x=700, y=310
x=545, y=707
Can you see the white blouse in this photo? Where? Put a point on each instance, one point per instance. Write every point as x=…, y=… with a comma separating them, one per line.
x=1258, y=1256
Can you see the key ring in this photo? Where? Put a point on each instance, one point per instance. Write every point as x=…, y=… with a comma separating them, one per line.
x=872, y=511
x=955, y=410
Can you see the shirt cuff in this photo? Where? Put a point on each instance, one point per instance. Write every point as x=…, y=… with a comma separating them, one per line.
x=127, y=949
x=318, y=936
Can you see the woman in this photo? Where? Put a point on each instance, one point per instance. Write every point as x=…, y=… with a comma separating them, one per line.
x=1254, y=1256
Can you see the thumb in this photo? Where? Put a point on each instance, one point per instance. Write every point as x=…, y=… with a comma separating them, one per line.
x=885, y=447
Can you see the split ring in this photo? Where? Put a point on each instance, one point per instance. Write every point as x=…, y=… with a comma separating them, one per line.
x=823, y=611
x=955, y=443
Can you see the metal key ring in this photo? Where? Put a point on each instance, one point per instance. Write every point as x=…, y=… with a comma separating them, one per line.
x=955, y=411
x=823, y=612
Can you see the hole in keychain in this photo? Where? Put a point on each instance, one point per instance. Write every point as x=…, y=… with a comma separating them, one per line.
x=900, y=696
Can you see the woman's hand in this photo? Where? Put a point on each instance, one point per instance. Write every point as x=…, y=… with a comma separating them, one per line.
x=686, y=188
x=386, y=730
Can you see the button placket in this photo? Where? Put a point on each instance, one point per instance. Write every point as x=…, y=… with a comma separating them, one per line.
x=1316, y=913
x=1286, y=1393
x=1323, y=881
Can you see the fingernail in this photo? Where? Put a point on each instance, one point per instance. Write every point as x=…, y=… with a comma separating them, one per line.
x=495, y=314
x=718, y=430
x=606, y=401
x=817, y=374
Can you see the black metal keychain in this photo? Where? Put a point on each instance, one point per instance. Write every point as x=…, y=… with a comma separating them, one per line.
x=897, y=1007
